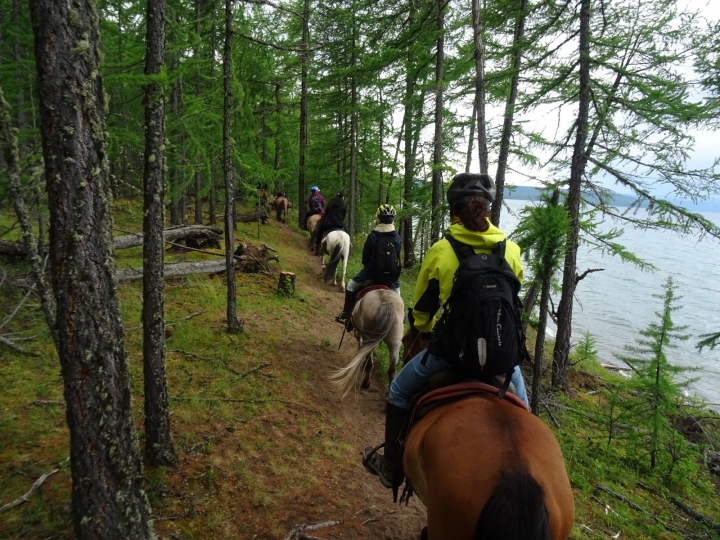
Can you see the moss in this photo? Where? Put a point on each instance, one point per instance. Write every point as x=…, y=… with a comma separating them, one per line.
x=82, y=48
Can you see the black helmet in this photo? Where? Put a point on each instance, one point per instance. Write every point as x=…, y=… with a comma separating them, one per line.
x=385, y=210
x=465, y=185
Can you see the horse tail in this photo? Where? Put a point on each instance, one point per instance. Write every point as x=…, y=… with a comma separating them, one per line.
x=332, y=265
x=346, y=378
x=515, y=511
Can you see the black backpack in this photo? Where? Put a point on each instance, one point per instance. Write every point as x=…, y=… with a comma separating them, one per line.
x=385, y=264
x=480, y=329
x=315, y=204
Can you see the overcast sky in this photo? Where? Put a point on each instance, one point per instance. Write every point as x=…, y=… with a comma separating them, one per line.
x=707, y=143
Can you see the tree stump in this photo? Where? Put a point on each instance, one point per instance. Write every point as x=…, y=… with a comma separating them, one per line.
x=286, y=283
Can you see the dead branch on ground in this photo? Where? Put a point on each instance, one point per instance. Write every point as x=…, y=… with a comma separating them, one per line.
x=35, y=487
x=299, y=532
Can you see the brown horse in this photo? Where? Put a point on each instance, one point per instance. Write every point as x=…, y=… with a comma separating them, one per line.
x=281, y=206
x=486, y=469
x=311, y=224
x=378, y=317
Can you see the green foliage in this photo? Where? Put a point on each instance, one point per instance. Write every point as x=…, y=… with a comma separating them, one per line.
x=585, y=350
x=657, y=394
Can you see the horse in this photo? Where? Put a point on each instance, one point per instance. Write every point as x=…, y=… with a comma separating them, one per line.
x=336, y=245
x=281, y=206
x=486, y=468
x=311, y=224
x=377, y=317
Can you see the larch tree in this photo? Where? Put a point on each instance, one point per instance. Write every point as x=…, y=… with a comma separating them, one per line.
x=108, y=500
x=438, y=137
x=232, y=319
x=159, y=448
x=577, y=168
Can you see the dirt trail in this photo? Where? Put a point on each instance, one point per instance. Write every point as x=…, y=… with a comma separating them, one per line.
x=297, y=463
x=373, y=513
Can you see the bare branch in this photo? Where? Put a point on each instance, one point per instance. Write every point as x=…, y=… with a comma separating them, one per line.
x=36, y=486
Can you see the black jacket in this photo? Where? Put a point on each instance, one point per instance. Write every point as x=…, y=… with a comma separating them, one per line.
x=335, y=214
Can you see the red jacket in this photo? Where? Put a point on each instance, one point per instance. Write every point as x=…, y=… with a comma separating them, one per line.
x=322, y=203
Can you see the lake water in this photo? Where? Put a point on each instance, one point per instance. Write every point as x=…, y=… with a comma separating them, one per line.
x=616, y=303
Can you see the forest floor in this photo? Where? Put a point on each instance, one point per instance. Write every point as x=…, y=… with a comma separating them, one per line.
x=265, y=442
x=271, y=472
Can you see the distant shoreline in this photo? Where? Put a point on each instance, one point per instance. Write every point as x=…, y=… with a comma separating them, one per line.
x=529, y=193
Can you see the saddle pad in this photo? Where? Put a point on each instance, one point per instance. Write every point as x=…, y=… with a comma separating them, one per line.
x=459, y=391
x=371, y=288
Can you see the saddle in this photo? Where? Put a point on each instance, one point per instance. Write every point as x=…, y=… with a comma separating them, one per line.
x=370, y=288
x=442, y=388
x=350, y=325
x=456, y=392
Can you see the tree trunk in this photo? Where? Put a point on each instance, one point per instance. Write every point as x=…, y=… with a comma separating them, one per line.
x=175, y=214
x=353, y=203
x=198, y=160
x=232, y=319
x=468, y=156
x=437, y=140
x=170, y=235
x=409, y=173
x=11, y=154
x=479, y=86
x=159, y=448
x=276, y=160
x=108, y=499
x=579, y=160
x=303, y=111
x=212, y=196
x=547, y=273
x=509, y=113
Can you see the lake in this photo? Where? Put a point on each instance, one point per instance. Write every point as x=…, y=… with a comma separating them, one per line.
x=615, y=304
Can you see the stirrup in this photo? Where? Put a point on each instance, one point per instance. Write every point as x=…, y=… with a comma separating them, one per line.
x=370, y=456
x=367, y=454
x=341, y=320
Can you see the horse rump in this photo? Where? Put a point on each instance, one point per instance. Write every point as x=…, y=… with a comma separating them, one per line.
x=347, y=377
x=515, y=511
x=332, y=265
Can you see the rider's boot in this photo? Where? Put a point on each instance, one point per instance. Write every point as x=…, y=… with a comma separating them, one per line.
x=347, y=308
x=388, y=467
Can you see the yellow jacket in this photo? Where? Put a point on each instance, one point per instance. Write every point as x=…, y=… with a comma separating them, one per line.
x=435, y=280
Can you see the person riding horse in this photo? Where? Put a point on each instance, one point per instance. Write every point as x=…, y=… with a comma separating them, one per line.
x=333, y=220
x=469, y=197
x=315, y=204
x=384, y=233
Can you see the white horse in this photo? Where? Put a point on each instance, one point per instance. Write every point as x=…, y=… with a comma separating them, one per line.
x=377, y=317
x=337, y=246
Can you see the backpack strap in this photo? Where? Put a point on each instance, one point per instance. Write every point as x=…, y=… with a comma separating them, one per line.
x=463, y=251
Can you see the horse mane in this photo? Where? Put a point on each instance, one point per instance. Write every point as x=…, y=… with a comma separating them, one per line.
x=515, y=511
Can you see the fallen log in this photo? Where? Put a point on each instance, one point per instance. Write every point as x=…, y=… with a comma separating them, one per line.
x=177, y=269
x=198, y=232
x=257, y=215
x=197, y=236
x=8, y=248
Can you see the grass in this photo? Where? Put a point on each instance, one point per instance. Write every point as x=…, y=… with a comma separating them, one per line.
x=282, y=456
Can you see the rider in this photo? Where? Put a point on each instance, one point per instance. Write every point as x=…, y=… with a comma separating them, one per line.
x=333, y=220
x=315, y=204
x=469, y=196
x=385, y=228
